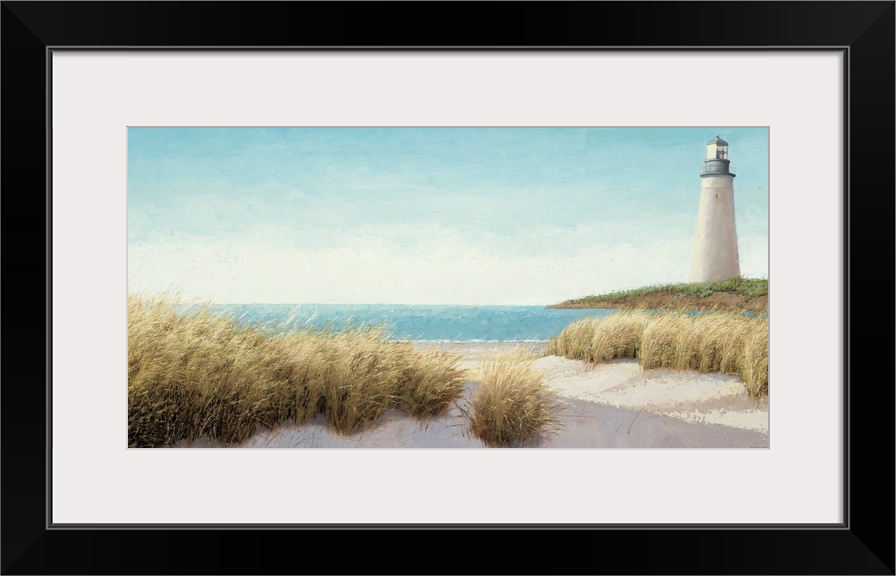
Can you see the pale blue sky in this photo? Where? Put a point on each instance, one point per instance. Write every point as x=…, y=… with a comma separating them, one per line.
x=428, y=216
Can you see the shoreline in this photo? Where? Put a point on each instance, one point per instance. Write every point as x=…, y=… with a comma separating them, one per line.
x=474, y=352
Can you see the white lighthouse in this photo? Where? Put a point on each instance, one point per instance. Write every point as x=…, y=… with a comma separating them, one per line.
x=715, y=245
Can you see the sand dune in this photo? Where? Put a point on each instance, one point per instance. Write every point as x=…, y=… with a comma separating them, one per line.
x=613, y=405
x=689, y=396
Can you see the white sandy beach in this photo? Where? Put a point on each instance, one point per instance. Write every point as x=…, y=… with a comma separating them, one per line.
x=613, y=405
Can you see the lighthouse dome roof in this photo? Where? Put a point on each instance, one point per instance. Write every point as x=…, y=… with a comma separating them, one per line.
x=718, y=142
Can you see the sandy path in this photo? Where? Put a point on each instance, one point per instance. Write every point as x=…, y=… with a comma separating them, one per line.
x=689, y=396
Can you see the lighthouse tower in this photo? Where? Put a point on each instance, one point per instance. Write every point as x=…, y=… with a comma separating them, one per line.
x=715, y=246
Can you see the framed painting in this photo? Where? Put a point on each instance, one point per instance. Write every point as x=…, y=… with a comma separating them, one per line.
x=417, y=240
x=134, y=108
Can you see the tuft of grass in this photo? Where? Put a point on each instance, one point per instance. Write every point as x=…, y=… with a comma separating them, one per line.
x=575, y=340
x=193, y=374
x=713, y=341
x=512, y=407
x=660, y=342
x=356, y=378
x=617, y=336
x=431, y=382
x=754, y=362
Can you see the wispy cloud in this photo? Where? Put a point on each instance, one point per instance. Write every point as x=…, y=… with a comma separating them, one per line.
x=407, y=265
x=425, y=216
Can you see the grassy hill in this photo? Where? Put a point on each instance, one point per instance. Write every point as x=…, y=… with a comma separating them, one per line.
x=749, y=294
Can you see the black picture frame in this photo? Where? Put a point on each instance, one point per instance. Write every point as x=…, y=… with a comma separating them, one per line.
x=864, y=31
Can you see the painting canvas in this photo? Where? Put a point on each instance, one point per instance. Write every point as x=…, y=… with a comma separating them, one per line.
x=443, y=287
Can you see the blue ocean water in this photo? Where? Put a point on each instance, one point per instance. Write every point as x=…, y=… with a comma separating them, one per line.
x=433, y=323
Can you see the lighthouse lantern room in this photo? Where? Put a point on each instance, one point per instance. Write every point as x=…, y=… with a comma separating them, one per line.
x=717, y=162
x=717, y=149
